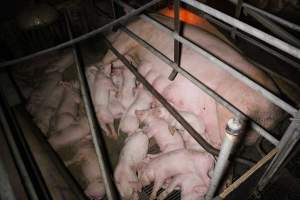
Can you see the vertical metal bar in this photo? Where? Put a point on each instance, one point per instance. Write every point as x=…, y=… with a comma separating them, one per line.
x=234, y=130
x=286, y=144
x=177, y=44
x=111, y=192
x=6, y=190
x=237, y=14
x=30, y=174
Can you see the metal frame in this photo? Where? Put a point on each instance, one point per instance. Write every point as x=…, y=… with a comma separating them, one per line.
x=284, y=146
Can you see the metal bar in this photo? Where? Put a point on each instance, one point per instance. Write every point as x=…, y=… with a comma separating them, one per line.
x=63, y=170
x=248, y=173
x=33, y=182
x=277, y=30
x=164, y=102
x=251, y=40
x=82, y=37
x=6, y=189
x=110, y=189
x=237, y=15
x=202, y=86
x=286, y=144
x=234, y=131
x=281, y=21
x=177, y=44
x=246, y=28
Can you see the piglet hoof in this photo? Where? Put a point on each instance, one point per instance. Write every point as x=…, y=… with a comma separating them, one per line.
x=152, y=197
x=162, y=196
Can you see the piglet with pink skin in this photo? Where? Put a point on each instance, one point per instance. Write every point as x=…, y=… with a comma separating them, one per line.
x=159, y=129
x=90, y=170
x=167, y=165
x=90, y=73
x=129, y=122
x=134, y=151
x=192, y=119
x=101, y=90
x=70, y=135
x=192, y=187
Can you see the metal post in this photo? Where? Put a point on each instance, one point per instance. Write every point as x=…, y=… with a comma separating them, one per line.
x=286, y=144
x=273, y=41
x=234, y=130
x=177, y=44
x=110, y=189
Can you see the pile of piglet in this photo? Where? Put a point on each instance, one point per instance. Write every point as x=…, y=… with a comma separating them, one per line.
x=117, y=95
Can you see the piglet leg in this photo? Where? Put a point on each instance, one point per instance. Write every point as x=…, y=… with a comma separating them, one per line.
x=113, y=130
x=157, y=185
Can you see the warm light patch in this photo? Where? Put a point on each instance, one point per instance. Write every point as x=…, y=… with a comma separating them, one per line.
x=185, y=16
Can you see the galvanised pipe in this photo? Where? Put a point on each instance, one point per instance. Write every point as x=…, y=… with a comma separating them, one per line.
x=110, y=189
x=234, y=131
x=273, y=41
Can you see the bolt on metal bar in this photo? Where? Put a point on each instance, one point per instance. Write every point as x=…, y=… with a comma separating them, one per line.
x=246, y=28
x=234, y=130
x=110, y=189
x=251, y=40
x=177, y=44
x=277, y=30
x=82, y=37
x=164, y=102
x=286, y=144
x=203, y=87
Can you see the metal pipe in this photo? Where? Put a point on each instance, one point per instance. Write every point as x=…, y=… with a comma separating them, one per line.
x=59, y=164
x=274, y=28
x=273, y=17
x=199, y=84
x=273, y=41
x=33, y=182
x=286, y=144
x=164, y=102
x=234, y=130
x=82, y=37
x=177, y=44
x=110, y=189
x=251, y=40
x=6, y=190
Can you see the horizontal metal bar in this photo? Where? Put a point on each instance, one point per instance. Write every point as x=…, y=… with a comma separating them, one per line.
x=202, y=86
x=273, y=17
x=82, y=37
x=194, y=80
x=274, y=28
x=101, y=152
x=251, y=40
x=273, y=41
x=164, y=102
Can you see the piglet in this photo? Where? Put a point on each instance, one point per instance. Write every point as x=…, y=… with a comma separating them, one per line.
x=134, y=151
x=192, y=119
x=70, y=135
x=101, y=91
x=192, y=187
x=129, y=122
x=159, y=129
x=165, y=166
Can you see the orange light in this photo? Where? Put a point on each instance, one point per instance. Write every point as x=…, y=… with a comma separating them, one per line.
x=185, y=16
